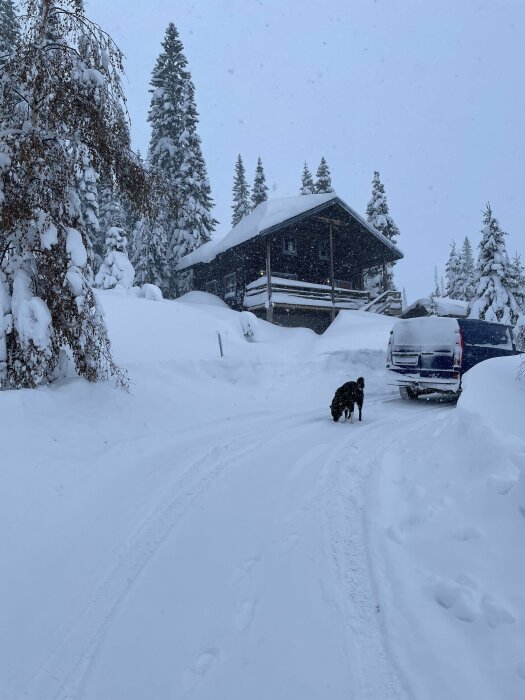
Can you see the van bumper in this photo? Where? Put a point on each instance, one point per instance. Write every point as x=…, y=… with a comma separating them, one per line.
x=426, y=385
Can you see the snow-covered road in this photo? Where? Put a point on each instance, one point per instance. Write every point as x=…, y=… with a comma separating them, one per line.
x=214, y=535
x=247, y=575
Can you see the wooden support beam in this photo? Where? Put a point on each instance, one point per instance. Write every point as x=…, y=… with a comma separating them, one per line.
x=269, y=310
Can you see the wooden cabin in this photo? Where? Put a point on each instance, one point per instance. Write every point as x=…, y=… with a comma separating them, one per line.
x=295, y=261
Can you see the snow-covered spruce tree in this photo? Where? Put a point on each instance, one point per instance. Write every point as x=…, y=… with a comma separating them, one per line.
x=175, y=156
x=116, y=270
x=493, y=299
x=150, y=245
x=241, y=197
x=195, y=224
x=404, y=303
x=9, y=30
x=307, y=181
x=64, y=79
x=378, y=216
x=323, y=183
x=517, y=281
x=452, y=273
x=466, y=282
x=87, y=191
x=259, y=189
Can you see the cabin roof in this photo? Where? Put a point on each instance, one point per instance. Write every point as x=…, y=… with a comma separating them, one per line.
x=270, y=216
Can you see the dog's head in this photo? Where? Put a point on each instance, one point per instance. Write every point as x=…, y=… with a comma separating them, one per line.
x=336, y=409
x=360, y=382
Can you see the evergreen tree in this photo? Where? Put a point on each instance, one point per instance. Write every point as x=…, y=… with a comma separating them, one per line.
x=436, y=292
x=378, y=216
x=452, y=272
x=116, y=270
x=323, y=184
x=9, y=30
x=259, y=189
x=88, y=195
x=517, y=281
x=307, y=181
x=195, y=224
x=175, y=156
x=66, y=74
x=404, y=299
x=466, y=278
x=149, y=257
x=241, y=204
x=493, y=300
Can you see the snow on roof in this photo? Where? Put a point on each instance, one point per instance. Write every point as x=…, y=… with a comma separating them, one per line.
x=266, y=215
x=445, y=306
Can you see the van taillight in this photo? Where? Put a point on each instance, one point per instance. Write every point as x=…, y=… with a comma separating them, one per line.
x=389, y=350
x=458, y=351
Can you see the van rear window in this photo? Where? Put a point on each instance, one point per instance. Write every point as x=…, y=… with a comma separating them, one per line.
x=487, y=334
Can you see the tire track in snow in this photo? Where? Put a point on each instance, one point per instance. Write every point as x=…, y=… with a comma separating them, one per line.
x=62, y=675
x=375, y=671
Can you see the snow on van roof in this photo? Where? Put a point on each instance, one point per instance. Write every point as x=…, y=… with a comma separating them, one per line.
x=425, y=331
x=266, y=215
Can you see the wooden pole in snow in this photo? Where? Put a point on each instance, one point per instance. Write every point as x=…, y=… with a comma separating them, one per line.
x=332, y=282
x=220, y=344
x=269, y=310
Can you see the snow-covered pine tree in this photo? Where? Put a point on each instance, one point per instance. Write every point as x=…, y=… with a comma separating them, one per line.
x=404, y=303
x=259, y=189
x=493, y=299
x=466, y=281
x=241, y=200
x=9, y=30
x=65, y=80
x=436, y=292
x=378, y=216
x=323, y=183
x=116, y=270
x=307, y=181
x=183, y=216
x=194, y=224
x=452, y=272
x=517, y=281
x=88, y=195
x=149, y=257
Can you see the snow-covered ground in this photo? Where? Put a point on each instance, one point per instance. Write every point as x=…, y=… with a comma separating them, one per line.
x=214, y=535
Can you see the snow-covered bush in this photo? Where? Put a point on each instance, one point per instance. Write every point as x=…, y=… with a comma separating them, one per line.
x=116, y=270
x=151, y=292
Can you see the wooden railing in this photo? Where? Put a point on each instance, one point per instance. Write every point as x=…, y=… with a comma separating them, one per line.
x=294, y=293
x=388, y=303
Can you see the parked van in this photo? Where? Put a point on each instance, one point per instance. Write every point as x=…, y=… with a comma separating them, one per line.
x=431, y=354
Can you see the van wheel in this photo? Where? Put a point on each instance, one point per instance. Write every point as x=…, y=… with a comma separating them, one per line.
x=407, y=393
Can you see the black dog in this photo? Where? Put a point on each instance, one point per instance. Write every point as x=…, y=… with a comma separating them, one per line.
x=345, y=397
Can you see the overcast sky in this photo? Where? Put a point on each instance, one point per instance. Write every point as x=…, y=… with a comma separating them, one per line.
x=430, y=93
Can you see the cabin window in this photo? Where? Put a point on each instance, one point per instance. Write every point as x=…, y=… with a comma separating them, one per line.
x=230, y=285
x=289, y=245
x=323, y=249
x=211, y=287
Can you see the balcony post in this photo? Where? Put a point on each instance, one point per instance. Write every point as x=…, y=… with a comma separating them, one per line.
x=269, y=308
x=332, y=282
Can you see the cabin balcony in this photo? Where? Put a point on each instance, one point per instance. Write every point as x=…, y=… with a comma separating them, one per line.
x=292, y=302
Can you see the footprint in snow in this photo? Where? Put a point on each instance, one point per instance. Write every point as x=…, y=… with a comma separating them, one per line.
x=194, y=674
x=245, y=615
x=245, y=569
x=291, y=541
